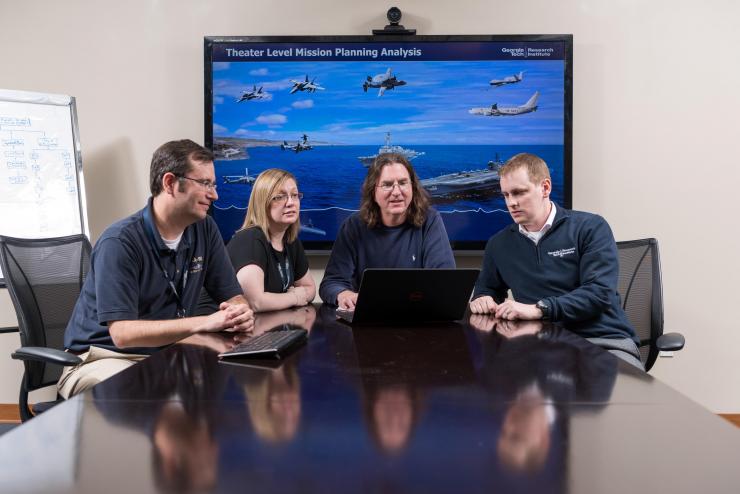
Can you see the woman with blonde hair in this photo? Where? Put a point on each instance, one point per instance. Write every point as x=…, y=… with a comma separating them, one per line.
x=268, y=258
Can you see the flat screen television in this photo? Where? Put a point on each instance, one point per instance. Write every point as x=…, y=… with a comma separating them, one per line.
x=322, y=107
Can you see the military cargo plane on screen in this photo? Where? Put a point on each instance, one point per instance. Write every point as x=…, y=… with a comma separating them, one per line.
x=298, y=146
x=495, y=111
x=512, y=79
x=383, y=82
x=253, y=94
x=305, y=85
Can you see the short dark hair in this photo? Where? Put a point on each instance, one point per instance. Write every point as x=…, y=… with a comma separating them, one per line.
x=175, y=157
x=369, y=209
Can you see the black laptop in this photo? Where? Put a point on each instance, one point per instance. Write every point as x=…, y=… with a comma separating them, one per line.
x=392, y=296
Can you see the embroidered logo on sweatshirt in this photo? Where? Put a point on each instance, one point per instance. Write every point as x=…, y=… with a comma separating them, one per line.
x=562, y=252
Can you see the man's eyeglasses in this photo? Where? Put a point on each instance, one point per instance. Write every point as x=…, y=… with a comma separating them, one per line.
x=207, y=184
x=388, y=186
x=283, y=198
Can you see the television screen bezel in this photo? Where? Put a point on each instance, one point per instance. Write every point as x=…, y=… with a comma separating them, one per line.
x=460, y=247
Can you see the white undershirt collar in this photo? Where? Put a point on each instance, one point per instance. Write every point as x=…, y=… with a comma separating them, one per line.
x=536, y=236
x=172, y=244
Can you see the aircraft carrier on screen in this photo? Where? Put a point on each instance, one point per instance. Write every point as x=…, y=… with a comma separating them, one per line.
x=409, y=154
x=465, y=184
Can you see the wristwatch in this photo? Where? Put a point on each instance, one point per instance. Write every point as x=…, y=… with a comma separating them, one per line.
x=544, y=307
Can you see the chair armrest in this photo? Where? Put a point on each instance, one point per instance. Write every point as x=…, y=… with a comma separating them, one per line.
x=48, y=355
x=670, y=342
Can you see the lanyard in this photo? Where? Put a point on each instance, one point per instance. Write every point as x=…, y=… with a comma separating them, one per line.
x=286, y=274
x=149, y=226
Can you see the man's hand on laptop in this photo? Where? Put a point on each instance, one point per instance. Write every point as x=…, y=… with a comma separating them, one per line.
x=483, y=305
x=347, y=300
x=511, y=310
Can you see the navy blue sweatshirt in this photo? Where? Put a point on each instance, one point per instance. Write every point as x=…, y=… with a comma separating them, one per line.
x=574, y=268
x=358, y=247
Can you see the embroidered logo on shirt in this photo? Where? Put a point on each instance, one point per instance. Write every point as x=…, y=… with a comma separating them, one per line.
x=562, y=252
x=196, y=265
x=413, y=257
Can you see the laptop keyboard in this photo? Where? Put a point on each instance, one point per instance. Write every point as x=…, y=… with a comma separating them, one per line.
x=270, y=344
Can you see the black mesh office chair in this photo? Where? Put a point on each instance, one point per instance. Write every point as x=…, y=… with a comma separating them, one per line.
x=44, y=278
x=641, y=289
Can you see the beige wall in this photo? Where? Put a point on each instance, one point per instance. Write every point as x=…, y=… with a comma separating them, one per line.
x=655, y=106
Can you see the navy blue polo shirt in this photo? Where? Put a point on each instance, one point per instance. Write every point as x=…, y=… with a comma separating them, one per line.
x=127, y=279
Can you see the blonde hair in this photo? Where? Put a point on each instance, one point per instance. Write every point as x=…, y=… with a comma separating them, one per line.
x=258, y=210
x=270, y=424
x=536, y=167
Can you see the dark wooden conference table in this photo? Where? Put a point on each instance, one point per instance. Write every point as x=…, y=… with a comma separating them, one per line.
x=476, y=406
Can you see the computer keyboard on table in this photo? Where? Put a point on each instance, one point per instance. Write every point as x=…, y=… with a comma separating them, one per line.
x=272, y=344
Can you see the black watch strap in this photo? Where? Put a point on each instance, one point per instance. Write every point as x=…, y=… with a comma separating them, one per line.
x=544, y=307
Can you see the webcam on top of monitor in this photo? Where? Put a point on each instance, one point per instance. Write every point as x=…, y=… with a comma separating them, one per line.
x=394, y=17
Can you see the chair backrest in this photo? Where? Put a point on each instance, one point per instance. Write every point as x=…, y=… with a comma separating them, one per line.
x=44, y=279
x=641, y=289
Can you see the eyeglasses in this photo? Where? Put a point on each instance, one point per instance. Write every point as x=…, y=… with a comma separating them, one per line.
x=207, y=184
x=283, y=198
x=388, y=186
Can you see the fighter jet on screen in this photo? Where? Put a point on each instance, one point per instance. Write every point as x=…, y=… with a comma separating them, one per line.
x=305, y=85
x=496, y=111
x=240, y=179
x=253, y=94
x=298, y=146
x=512, y=79
x=382, y=81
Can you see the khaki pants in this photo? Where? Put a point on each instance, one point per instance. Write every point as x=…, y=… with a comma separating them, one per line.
x=98, y=364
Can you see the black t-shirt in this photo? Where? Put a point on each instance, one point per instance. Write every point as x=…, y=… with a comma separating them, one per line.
x=281, y=269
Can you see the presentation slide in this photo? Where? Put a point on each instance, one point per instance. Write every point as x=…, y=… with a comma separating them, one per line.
x=324, y=111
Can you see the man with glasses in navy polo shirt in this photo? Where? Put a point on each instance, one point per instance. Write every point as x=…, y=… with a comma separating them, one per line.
x=147, y=272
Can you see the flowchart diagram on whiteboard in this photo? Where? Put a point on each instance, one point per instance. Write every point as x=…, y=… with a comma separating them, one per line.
x=41, y=183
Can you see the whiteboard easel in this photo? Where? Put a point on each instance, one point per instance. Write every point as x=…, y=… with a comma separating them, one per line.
x=42, y=191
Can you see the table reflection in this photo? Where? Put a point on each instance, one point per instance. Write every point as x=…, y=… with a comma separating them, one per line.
x=413, y=396
x=274, y=401
x=398, y=368
x=538, y=371
x=172, y=400
x=299, y=317
x=391, y=412
x=185, y=453
x=186, y=400
x=488, y=406
x=565, y=367
x=526, y=431
x=273, y=387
